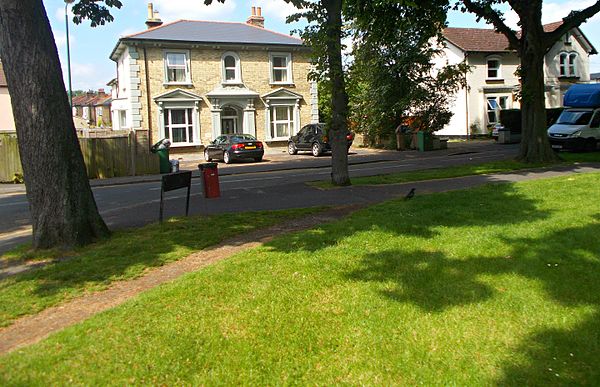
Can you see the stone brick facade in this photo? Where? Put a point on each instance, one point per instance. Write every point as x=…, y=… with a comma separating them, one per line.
x=148, y=82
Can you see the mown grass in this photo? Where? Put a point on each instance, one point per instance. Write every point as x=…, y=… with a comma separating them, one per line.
x=494, y=285
x=126, y=255
x=458, y=171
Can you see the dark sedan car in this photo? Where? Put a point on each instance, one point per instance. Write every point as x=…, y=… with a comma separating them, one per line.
x=313, y=138
x=229, y=147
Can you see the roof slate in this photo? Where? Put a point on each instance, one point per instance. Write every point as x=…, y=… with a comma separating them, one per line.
x=215, y=32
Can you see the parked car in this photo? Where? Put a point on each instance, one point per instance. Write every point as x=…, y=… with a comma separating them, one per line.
x=229, y=147
x=313, y=138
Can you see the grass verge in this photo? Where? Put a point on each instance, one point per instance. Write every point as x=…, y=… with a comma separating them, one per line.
x=457, y=171
x=124, y=256
x=498, y=285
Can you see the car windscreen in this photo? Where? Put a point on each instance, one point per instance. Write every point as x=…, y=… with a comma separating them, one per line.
x=574, y=117
x=242, y=138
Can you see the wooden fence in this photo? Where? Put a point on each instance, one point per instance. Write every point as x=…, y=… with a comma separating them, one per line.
x=104, y=157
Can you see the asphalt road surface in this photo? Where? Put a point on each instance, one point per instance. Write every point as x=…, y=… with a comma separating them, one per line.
x=248, y=187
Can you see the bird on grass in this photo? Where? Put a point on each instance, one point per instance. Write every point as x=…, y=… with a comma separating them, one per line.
x=410, y=195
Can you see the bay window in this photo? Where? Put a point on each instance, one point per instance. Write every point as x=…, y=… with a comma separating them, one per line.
x=178, y=125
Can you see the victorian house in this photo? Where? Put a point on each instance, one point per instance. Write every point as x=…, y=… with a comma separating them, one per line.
x=191, y=81
x=493, y=83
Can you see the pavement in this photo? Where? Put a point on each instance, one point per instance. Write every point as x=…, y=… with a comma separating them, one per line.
x=279, y=160
x=277, y=184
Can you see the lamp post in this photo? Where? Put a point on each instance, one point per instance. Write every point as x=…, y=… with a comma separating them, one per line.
x=67, y=2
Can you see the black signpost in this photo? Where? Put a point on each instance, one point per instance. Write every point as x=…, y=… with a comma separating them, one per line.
x=172, y=182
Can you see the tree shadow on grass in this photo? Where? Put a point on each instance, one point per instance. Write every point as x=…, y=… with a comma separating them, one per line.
x=493, y=204
x=565, y=262
x=124, y=256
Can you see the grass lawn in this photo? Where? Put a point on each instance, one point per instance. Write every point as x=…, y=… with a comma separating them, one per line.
x=457, y=171
x=494, y=285
x=124, y=256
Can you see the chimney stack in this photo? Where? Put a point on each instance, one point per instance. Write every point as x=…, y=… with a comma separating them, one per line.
x=256, y=19
x=153, y=17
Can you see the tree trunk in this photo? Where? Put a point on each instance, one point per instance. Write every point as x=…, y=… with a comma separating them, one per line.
x=535, y=147
x=62, y=206
x=339, y=98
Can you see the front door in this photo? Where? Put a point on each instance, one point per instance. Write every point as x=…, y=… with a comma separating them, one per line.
x=228, y=125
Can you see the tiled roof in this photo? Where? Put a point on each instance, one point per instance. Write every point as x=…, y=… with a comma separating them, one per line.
x=477, y=39
x=90, y=99
x=484, y=39
x=215, y=32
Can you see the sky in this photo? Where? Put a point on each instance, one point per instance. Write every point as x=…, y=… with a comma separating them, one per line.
x=90, y=47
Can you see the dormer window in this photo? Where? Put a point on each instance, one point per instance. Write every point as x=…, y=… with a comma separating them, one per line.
x=177, y=67
x=493, y=68
x=567, y=64
x=281, y=68
x=231, y=68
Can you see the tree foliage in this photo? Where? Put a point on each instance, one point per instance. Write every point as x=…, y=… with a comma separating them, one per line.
x=531, y=43
x=394, y=73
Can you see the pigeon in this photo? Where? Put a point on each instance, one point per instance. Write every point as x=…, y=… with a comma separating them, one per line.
x=410, y=195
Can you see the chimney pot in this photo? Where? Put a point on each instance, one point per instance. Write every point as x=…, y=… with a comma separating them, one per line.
x=150, y=11
x=153, y=17
x=256, y=19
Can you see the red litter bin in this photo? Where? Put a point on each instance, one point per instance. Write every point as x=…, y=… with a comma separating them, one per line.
x=210, y=178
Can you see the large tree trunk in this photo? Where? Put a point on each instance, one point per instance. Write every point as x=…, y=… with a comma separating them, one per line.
x=62, y=206
x=339, y=97
x=535, y=147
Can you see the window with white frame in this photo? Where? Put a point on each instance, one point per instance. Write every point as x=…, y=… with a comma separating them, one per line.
x=282, y=121
x=567, y=64
x=494, y=106
x=122, y=118
x=281, y=68
x=177, y=67
x=567, y=38
x=493, y=68
x=178, y=126
x=231, y=68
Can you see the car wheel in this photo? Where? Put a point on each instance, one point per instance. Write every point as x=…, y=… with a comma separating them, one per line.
x=292, y=148
x=206, y=156
x=226, y=157
x=258, y=159
x=590, y=145
x=317, y=149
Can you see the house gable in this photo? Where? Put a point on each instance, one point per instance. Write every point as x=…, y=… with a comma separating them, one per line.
x=177, y=95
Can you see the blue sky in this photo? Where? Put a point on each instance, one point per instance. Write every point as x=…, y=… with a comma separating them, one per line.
x=90, y=47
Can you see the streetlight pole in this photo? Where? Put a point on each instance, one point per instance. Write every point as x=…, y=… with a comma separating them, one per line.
x=67, y=2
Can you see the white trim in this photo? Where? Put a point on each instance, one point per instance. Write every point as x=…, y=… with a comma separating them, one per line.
x=237, y=69
x=498, y=69
x=164, y=107
x=569, y=67
x=288, y=68
x=188, y=77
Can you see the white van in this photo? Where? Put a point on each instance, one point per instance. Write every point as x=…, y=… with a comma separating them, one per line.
x=578, y=126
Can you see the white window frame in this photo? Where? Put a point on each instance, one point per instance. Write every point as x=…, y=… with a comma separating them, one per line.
x=288, y=68
x=237, y=69
x=498, y=101
x=498, y=69
x=187, y=125
x=290, y=121
x=188, y=77
x=122, y=116
x=572, y=64
x=567, y=64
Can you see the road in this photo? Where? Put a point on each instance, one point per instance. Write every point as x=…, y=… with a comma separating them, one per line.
x=265, y=186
